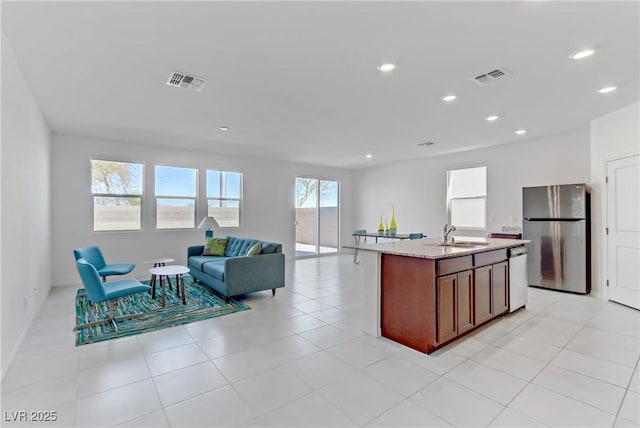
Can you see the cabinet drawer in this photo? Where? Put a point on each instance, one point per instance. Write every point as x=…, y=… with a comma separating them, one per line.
x=490, y=257
x=456, y=264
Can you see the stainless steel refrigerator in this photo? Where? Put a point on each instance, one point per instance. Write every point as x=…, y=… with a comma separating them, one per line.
x=556, y=220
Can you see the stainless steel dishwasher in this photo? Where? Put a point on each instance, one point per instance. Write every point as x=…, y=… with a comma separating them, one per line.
x=518, y=282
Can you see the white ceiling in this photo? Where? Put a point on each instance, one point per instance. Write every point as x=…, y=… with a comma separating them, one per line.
x=298, y=80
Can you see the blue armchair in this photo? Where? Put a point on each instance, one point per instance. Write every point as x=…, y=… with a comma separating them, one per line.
x=107, y=291
x=94, y=256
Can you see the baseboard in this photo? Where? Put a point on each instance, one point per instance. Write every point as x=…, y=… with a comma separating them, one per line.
x=6, y=364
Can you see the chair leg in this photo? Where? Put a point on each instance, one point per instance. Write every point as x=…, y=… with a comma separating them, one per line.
x=184, y=298
x=111, y=318
x=163, y=290
x=112, y=315
x=153, y=286
x=273, y=292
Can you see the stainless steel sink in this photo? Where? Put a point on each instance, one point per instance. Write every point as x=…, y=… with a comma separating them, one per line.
x=461, y=244
x=473, y=243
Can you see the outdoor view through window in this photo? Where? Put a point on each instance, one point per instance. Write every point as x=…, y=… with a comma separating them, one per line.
x=116, y=188
x=224, y=190
x=466, y=197
x=317, y=215
x=117, y=195
x=176, y=190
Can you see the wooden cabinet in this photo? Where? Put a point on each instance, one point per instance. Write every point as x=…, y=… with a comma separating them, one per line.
x=464, y=288
x=491, y=291
x=447, y=307
x=453, y=265
x=426, y=303
x=454, y=296
x=483, y=309
x=500, y=288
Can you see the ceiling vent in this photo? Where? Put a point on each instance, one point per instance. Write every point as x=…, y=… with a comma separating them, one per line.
x=490, y=76
x=182, y=80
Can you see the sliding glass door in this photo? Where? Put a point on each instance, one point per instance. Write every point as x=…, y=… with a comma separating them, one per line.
x=317, y=216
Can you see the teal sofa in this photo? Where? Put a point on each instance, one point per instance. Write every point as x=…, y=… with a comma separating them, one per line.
x=236, y=273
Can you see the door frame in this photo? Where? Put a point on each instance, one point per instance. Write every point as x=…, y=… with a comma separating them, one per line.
x=318, y=223
x=605, y=216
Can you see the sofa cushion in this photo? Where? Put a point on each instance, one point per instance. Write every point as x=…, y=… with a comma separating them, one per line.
x=196, y=262
x=239, y=246
x=271, y=247
x=215, y=269
x=215, y=247
x=254, y=250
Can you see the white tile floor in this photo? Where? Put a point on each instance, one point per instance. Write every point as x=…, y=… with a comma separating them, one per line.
x=300, y=359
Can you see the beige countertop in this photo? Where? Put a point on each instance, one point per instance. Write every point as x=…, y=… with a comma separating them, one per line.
x=428, y=247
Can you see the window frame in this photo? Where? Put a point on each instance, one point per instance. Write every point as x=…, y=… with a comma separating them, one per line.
x=483, y=198
x=93, y=195
x=187, y=198
x=222, y=199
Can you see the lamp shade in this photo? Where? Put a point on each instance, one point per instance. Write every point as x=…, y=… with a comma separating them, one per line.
x=208, y=223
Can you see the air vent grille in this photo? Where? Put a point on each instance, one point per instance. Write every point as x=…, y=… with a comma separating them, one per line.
x=490, y=76
x=182, y=80
x=175, y=79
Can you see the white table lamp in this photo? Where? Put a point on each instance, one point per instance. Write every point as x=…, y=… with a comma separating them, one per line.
x=208, y=223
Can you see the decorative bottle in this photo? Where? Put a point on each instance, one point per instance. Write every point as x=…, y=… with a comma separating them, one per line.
x=381, y=225
x=393, y=227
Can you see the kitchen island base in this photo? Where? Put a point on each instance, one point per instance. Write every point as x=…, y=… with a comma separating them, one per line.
x=426, y=303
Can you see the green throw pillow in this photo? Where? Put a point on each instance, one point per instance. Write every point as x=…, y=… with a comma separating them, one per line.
x=215, y=246
x=254, y=250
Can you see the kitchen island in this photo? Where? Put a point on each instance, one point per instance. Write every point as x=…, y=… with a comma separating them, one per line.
x=424, y=294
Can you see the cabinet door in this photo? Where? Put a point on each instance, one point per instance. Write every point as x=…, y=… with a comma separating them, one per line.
x=500, y=288
x=464, y=294
x=446, y=298
x=482, y=295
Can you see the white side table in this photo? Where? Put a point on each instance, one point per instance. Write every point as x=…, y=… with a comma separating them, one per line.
x=160, y=262
x=157, y=263
x=165, y=272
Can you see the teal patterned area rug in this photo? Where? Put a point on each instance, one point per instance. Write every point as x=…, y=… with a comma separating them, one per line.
x=202, y=303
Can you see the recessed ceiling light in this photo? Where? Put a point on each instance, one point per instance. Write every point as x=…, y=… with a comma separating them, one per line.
x=492, y=118
x=224, y=128
x=607, y=89
x=449, y=98
x=368, y=156
x=385, y=68
x=582, y=54
x=521, y=131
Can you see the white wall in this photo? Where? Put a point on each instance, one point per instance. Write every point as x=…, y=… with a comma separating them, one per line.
x=417, y=188
x=268, y=204
x=25, y=277
x=613, y=136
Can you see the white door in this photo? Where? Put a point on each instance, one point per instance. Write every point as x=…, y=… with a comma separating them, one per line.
x=623, y=240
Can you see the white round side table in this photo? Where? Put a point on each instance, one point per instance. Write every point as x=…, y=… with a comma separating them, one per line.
x=165, y=272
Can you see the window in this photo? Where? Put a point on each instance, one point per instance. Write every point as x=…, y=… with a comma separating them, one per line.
x=224, y=197
x=466, y=197
x=116, y=188
x=175, y=197
x=317, y=216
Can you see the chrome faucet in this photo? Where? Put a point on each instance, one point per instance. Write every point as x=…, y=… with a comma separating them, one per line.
x=446, y=230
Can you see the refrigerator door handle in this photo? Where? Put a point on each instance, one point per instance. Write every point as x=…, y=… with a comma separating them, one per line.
x=556, y=219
